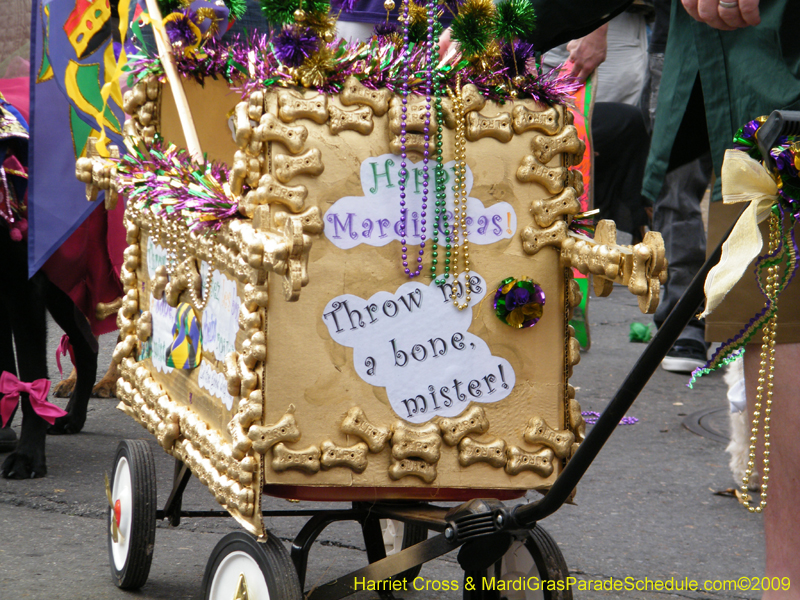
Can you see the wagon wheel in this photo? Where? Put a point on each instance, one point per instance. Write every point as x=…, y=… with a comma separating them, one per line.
x=398, y=536
x=535, y=555
x=132, y=514
x=241, y=567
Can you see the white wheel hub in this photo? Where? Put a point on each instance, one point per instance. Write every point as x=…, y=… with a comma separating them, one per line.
x=227, y=583
x=518, y=566
x=392, y=535
x=121, y=493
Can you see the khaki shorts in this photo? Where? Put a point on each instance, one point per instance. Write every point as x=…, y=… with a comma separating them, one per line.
x=745, y=300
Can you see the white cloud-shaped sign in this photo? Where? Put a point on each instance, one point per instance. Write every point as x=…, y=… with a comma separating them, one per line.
x=415, y=343
x=374, y=218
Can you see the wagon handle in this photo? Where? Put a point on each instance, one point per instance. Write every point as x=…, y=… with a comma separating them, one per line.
x=779, y=123
x=527, y=515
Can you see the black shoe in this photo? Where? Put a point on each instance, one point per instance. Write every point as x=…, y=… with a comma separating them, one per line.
x=8, y=439
x=685, y=356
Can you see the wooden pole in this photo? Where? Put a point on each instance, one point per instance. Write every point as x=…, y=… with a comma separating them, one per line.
x=175, y=83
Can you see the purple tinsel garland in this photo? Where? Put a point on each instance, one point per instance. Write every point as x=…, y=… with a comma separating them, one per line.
x=249, y=63
x=294, y=44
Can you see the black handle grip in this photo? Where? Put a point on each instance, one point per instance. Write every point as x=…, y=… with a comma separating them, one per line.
x=786, y=122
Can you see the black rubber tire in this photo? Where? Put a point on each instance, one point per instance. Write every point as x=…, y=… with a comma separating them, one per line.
x=548, y=560
x=142, y=532
x=271, y=557
x=412, y=534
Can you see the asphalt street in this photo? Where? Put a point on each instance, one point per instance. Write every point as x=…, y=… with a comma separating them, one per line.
x=645, y=509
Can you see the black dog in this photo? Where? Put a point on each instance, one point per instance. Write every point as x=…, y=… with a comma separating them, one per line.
x=22, y=316
x=23, y=325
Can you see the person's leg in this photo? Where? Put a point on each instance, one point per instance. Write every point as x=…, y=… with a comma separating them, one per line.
x=781, y=523
x=620, y=138
x=677, y=216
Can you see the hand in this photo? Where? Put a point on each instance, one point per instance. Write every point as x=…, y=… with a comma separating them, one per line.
x=587, y=53
x=447, y=47
x=722, y=16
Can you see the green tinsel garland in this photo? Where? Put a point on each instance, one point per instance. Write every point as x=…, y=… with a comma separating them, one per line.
x=474, y=27
x=237, y=8
x=515, y=19
x=279, y=12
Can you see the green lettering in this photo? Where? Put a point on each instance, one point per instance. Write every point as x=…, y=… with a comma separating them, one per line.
x=389, y=163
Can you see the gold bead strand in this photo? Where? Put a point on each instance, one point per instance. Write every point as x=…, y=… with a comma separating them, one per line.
x=766, y=374
x=460, y=198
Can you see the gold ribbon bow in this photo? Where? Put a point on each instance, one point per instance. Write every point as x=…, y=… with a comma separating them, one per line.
x=744, y=179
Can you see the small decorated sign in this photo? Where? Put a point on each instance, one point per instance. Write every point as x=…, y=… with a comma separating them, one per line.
x=414, y=344
x=186, y=350
x=519, y=302
x=374, y=219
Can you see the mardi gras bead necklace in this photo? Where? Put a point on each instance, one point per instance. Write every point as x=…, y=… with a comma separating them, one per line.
x=403, y=153
x=460, y=198
x=766, y=376
x=440, y=221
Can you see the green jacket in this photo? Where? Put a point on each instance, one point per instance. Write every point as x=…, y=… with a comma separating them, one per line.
x=744, y=74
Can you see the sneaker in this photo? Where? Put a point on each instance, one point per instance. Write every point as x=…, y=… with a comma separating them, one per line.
x=685, y=356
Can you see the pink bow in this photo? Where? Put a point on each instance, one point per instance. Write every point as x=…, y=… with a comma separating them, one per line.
x=38, y=390
x=64, y=347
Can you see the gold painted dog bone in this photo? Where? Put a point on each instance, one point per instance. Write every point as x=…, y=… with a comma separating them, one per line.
x=577, y=422
x=421, y=441
x=271, y=129
x=472, y=99
x=415, y=142
x=269, y=191
x=353, y=457
x=575, y=293
x=416, y=114
x=480, y=126
x=144, y=326
x=359, y=120
x=553, y=179
x=292, y=107
x=249, y=377
x=266, y=436
x=539, y=432
x=306, y=460
x=243, y=129
x=641, y=267
x=287, y=167
x=103, y=310
x=355, y=423
x=353, y=93
x=546, y=210
x=472, y=420
x=417, y=468
x=524, y=119
x=519, y=460
x=298, y=245
x=471, y=452
x=545, y=148
x=534, y=239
